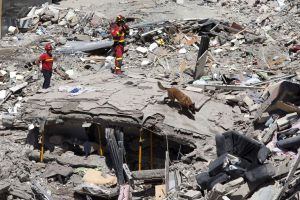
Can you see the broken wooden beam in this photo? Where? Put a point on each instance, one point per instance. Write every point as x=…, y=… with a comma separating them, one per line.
x=227, y=87
x=274, y=79
x=62, y=74
x=289, y=108
x=282, y=170
x=289, y=177
x=152, y=31
x=234, y=29
x=187, y=38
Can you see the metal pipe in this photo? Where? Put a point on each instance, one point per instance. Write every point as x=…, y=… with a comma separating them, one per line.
x=42, y=146
x=101, y=153
x=140, y=151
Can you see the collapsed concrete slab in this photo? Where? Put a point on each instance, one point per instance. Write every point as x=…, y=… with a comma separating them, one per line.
x=104, y=98
x=133, y=103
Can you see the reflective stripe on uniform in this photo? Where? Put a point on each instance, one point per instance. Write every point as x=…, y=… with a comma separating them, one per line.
x=120, y=34
x=119, y=58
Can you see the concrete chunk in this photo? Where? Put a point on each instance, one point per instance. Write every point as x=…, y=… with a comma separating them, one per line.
x=192, y=194
x=264, y=117
x=284, y=121
x=248, y=101
x=142, y=50
x=265, y=193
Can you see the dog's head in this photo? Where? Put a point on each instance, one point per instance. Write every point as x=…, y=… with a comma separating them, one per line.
x=192, y=108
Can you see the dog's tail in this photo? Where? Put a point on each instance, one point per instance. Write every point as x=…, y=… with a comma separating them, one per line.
x=161, y=86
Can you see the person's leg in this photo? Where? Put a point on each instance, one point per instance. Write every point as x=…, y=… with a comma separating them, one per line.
x=49, y=80
x=113, y=49
x=47, y=76
x=220, y=144
x=87, y=148
x=118, y=59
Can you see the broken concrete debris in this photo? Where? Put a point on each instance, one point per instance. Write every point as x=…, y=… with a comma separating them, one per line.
x=93, y=135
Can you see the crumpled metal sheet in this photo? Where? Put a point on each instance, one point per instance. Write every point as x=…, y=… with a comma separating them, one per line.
x=82, y=46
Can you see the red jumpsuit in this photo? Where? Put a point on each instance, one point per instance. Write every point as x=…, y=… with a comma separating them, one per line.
x=119, y=32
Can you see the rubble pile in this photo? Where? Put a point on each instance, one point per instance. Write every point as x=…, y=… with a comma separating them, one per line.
x=94, y=135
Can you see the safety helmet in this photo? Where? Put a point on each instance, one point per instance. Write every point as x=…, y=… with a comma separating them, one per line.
x=120, y=19
x=48, y=47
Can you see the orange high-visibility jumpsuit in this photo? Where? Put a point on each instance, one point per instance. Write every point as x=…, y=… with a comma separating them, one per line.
x=119, y=33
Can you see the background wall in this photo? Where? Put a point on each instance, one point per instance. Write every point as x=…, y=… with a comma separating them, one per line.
x=13, y=9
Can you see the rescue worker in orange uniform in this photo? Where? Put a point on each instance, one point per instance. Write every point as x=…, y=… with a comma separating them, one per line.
x=119, y=31
x=47, y=63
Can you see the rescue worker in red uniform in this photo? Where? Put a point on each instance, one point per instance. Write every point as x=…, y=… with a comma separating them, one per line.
x=119, y=30
x=47, y=63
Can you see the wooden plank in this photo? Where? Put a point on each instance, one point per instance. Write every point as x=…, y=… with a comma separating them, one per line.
x=286, y=107
x=160, y=192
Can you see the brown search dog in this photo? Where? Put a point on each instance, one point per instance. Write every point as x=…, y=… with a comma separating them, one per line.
x=183, y=100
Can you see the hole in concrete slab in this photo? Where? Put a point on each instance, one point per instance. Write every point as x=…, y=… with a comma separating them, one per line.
x=71, y=136
x=155, y=158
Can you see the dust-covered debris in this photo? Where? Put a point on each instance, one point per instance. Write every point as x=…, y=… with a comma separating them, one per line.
x=93, y=134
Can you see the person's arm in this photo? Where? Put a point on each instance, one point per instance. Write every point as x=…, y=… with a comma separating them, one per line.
x=39, y=60
x=126, y=29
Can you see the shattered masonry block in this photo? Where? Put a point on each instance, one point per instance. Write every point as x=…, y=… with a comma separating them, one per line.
x=192, y=194
x=264, y=117
x=282, y=122
x=248, y=101
x=142, y=50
